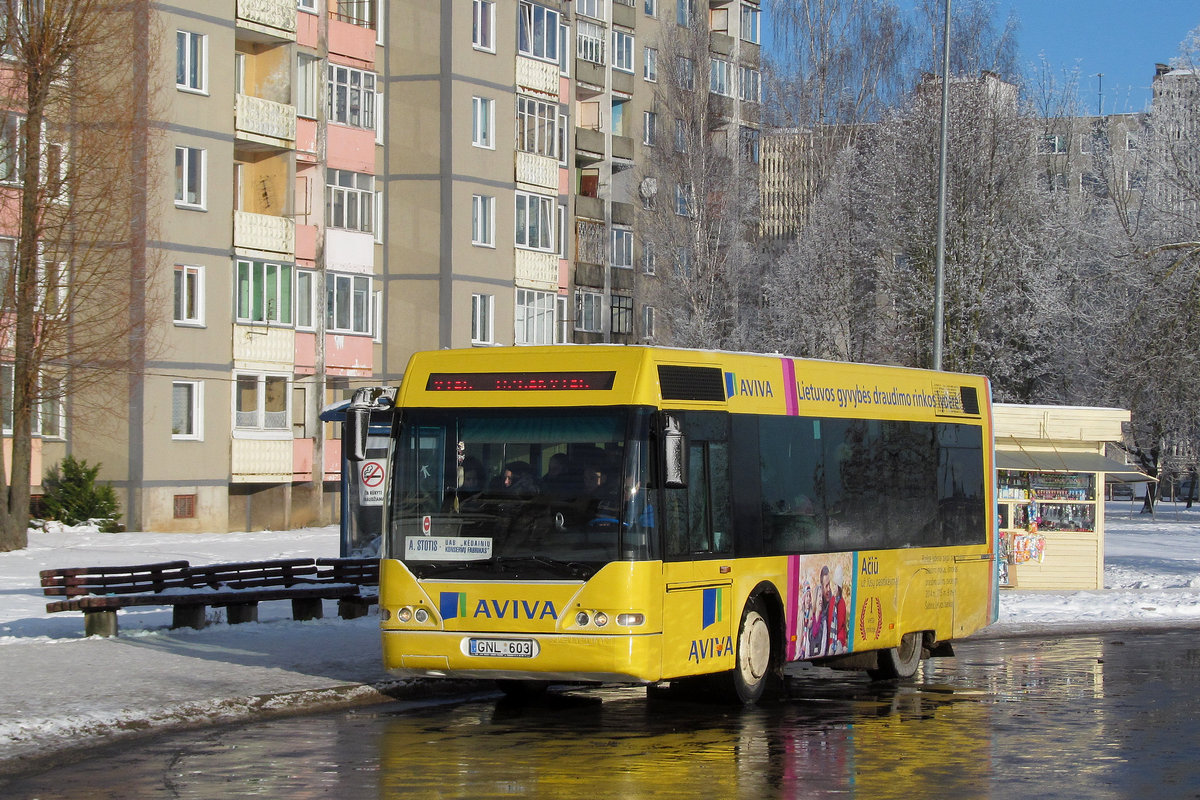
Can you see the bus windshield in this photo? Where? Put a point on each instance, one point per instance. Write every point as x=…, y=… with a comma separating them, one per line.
x=501, y=494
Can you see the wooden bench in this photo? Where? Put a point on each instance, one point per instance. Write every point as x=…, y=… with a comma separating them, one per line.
x=99, y=592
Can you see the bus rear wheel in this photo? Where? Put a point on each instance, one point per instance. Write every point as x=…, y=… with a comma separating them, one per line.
x=901, y=661
x=753, y=655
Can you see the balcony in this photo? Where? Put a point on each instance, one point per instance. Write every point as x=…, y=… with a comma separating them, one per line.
x=267, y=20
x=536, y=270
x=272, y=236
x=589, y=141
x=537, y=76
x=622, y=147
x=265, y=123
x=587, y=72
x=589, y=207
x=535, y=170
x=261, y=461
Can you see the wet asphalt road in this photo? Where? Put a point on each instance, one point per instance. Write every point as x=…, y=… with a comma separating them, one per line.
x=1111, y=716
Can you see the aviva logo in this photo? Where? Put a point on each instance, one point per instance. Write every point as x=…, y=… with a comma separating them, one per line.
x=751, y=387
x=713, y=606
x=453, y=605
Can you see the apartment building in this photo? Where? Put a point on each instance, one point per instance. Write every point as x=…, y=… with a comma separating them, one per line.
x=332, y=185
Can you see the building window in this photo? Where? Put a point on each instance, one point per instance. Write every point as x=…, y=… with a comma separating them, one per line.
x=483, y=31
x=189, y=177
x=11, y=126
x=687, y=72
x=6, y=396
x=590, y=8
x=185, y=409
x=1131, y=141
x=307, y=5
x=1052, y=144
x=684, y=199
x=535, y=222
x=648, y=259
x=185, y=506
x=749, y=84
x=718, y=77
x=589, y=42
x=349, y=200
x=562, y=328
x=650, y=64
x=621, y=314
x=622, y=248
x=651, y=8
x=623, y=51
x=537, y=32
x=351, y=96
x=356, y=12
x=189, y=295
x=49, y=420
x=264, y=292
x=750, y=141
x=306, y=293
x=648, y=322
x=261, y=403
x=347, y=303
x=483, y=119
x=534, y=317
x=681, y=137
x=649, y=127
x=483, y=220
x=537, y=126
x=685, y=12
x=191, y=58
x=588, y=308
x=751, y=31
x=483, y=307
x=308, y=85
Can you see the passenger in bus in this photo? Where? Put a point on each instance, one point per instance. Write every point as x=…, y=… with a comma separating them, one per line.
x=518, y=479
x=558, y=479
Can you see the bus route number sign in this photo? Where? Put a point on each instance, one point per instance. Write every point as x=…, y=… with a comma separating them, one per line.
x=370, y=482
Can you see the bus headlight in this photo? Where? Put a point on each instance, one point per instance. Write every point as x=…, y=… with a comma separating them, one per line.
x=601, y=619
x=582, y=619
x=631, y=620
x=404, y=615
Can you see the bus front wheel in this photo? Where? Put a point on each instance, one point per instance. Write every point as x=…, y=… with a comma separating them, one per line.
x=901, y=661
x=752, y=669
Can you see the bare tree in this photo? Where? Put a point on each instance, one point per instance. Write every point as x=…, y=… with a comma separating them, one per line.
x=699, y=202
x=76, y=145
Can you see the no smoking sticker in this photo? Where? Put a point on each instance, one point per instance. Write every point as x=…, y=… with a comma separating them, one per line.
x=371, y=476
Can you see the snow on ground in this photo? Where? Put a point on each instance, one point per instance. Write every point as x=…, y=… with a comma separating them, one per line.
x=61, y=689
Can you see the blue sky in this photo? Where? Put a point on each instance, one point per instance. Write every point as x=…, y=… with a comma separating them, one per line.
x=1123, y=40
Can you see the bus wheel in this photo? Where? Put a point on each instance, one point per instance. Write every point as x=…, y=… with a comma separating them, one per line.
x=899, y=662
x=752, y=669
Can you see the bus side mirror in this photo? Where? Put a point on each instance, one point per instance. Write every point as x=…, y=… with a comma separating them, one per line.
x=674, y=453
x=354, y=433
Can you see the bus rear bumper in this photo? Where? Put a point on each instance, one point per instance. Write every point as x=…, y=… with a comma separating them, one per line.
x=555, y=657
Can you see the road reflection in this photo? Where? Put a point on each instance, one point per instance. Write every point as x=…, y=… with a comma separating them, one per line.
x=1093, y=717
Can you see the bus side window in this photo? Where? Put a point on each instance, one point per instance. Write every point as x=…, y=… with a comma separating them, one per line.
x=698, y=517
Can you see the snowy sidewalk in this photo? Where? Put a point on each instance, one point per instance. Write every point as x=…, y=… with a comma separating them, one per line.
x=61, y=690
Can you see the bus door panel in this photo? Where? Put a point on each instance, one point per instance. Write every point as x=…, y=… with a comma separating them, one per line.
x=697, y=627
x=973, y=592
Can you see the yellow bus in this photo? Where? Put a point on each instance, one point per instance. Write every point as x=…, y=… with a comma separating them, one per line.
x=642, y=514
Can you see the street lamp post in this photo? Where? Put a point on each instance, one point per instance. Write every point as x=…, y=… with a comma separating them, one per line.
x=939, y=280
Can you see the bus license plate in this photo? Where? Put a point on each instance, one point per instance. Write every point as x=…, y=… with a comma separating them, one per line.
x=502, y=648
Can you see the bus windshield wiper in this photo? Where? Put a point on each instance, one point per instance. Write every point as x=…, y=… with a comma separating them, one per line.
x=573, y=568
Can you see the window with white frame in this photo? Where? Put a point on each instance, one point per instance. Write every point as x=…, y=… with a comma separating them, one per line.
x=261, y=402
x=6, y=396
x=537, y=126
x=191, y=61
x=186, y=408
x=681, y=137
x=589, y=42
x=749, y=84
x=561, y=230
x=649, y=265
x=189, y=177
x=8, y=260
x=11, y=126
x=56, y=171
x=623, y=51
x=718, y=77
x=362, y=13
x=648, y=321
x=622, y=248
x=590, y=8
x=589, y=308
x=750, y=142
x=189, y=295
x=751, y=30
x=1131, y=141
x=49, y=420
x=685, y=12
x=347, y=303
x=649, y=127
x=537, y=31
x=621, y=313
x=650, y=64
x=533, y=317
x=483, y=28
x=483, y=220
x=308, y=85
x=687, y=72
x=350, y=200
x=651, y=8
x=306, y=295
x=684, y=199
x=564, y=49
x=351, y=96
x=483, y=118
x=264, y=292
x=483, y=308
x=562, y=333
x=535, y=222
x=307, y=5
x=1052, y=144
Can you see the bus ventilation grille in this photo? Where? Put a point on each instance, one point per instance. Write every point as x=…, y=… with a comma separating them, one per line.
x=691, y=383
x=970, y=400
